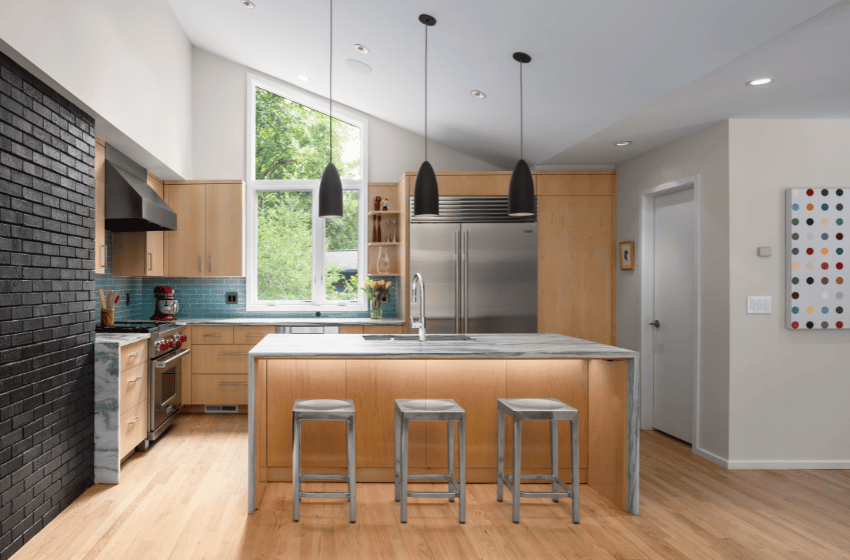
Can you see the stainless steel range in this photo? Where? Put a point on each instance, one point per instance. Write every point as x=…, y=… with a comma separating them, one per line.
x=166, y=352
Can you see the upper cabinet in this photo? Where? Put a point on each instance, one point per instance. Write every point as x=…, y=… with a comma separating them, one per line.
x=99, y=206
x=209, y=240
x=139, y=253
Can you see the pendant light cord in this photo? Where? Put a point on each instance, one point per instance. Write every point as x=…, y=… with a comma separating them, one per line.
x=331, y=86
x=520, y=113
x=426, y=93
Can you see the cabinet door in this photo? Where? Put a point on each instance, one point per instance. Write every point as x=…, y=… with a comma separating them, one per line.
x=185, y=247
x=154, y=264
x=225, y=211
x=575, y=267
x=99, y=207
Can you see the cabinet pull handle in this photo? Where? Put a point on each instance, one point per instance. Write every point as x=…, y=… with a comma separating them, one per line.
x=150, y=258
x=137, y=378
x=210, y=265
x=199, y=264
x=233, y=353
x=226, y=383
x=254, y=335
x=134, y=354
x=215, y=335
x=131, y=422
x=103, y=256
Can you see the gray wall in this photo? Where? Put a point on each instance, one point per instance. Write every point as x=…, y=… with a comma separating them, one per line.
x=704, y=153
x=788, y=389
x=220, y=110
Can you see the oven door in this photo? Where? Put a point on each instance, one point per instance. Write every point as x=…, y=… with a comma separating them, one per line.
x=165, y=398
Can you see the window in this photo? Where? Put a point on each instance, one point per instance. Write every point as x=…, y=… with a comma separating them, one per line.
x=296, y=260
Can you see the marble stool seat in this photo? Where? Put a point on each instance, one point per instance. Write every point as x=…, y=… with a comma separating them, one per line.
x=552, y=410
x=445, y=410
x=322, y=409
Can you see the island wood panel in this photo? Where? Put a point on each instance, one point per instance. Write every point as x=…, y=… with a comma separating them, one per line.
x=565, y=380
x=225, y=212
x=185, y=247
x=322, y=443
x=608, y=390
x=374, y=385
x=475, y=385
x=575, y=269
x=558, y=184
x=351, y=329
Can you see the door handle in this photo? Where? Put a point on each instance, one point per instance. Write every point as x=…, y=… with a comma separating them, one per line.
x=458, y=312
x=161, y=365
x=103, y=256
x=656, y=323
x=199, y=264
x=150, y=259
x=210, y=265
x=465, y=281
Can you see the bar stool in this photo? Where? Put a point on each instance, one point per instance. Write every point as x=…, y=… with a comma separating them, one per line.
x=430, y=409
x=552, y=410
x=322, y=409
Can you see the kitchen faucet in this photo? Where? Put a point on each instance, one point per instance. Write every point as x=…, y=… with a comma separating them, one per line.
x=418, y=323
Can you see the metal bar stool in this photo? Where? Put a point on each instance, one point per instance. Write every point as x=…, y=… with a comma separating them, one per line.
x=552, y=410
x=430, y=409
x=322, y=409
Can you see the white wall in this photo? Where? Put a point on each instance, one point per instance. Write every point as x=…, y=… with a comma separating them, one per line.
x=219, y=113
x=704, y=153
x=788, y=389
x=127, y=61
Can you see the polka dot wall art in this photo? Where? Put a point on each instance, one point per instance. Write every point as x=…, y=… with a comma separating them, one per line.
x=816, y=253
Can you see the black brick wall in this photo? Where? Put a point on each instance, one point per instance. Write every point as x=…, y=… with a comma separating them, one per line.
x=47, y=307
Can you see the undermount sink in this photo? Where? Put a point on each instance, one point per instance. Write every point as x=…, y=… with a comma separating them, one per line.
x=415, y=337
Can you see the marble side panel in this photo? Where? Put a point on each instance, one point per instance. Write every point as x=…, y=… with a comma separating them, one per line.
x=107, y=372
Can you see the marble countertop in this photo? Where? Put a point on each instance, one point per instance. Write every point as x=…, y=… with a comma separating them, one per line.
x=293, y=322
x=529, y=345
x=119, y=339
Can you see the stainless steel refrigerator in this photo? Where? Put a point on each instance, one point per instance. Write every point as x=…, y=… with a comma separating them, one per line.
x=479, y=267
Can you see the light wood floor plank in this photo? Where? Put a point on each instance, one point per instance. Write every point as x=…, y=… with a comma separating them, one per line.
x=185, y=499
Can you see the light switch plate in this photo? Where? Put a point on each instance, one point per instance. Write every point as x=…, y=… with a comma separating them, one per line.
x=759, y=304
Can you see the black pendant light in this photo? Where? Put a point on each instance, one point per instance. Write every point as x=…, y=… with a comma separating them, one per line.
x=521, y=191
x=330, y=187
x=426, y=196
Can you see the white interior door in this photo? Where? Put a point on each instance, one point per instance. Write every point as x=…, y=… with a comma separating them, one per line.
x=674, y=295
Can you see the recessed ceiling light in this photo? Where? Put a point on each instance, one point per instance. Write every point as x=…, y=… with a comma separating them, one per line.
x=361, y=49
x=303, y=78
x=478, y=94
x=248, y=4
x=623, y=143
x=760, y=82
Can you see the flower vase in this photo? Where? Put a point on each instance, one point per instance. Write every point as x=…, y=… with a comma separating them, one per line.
x=375, y=311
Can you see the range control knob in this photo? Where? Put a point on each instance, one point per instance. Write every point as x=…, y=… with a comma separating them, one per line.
x=183, y=338
x=158, y=344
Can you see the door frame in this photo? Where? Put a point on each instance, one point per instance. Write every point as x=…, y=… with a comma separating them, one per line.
x=647, y=277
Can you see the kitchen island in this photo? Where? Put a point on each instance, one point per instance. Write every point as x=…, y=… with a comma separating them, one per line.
x=600, y=381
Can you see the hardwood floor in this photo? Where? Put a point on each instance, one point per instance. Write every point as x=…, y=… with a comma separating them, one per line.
x=186, y=499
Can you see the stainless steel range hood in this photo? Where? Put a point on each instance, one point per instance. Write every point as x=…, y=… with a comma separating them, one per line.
x=131, y=204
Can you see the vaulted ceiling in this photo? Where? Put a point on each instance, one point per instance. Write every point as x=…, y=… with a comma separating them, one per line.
x=648, y=71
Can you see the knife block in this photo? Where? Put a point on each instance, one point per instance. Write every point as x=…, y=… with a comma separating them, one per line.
x=107, y=317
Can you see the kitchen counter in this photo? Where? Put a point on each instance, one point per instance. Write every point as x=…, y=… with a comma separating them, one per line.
x=600, y=381
x=292, y=322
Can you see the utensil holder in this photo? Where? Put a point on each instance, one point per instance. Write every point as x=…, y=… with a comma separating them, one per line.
x=107, y=317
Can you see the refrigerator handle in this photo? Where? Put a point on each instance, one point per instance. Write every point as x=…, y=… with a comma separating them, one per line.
x=465, y=274
x=456, y=249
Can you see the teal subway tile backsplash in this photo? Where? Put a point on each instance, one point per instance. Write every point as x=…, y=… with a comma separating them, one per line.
x=202, y=298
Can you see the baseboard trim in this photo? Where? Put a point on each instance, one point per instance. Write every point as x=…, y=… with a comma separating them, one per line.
x=789, y=465
x=716, y=459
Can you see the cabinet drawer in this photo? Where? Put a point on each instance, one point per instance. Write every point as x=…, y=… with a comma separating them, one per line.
x=133, y=428
x=220, y=389
x=134, y=386
x=212, y=335
x=134, y=354
x=222, y=358
x=250, y=335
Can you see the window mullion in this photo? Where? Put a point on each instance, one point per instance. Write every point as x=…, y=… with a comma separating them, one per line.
x=318, y=252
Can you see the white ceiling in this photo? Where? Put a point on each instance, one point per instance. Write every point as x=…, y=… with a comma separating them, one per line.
x=601, y=71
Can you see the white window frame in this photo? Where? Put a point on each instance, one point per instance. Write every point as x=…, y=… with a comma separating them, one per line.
x=255, y=187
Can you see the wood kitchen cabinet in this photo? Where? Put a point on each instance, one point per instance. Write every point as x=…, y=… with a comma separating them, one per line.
x=209, y=240
x=140, y=253
x=99, y=206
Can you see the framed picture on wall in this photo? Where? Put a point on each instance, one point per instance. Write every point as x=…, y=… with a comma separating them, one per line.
x=627, y=255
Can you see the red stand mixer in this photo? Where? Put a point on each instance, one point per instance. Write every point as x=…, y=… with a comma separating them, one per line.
x=166, y=305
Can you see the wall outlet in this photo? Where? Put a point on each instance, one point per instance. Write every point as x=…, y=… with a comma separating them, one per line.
x=231, y=297
x=385, y=299
x=128, y=298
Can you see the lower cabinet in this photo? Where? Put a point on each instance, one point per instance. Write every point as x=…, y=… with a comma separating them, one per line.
x=133, y=398
x=133, y=428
